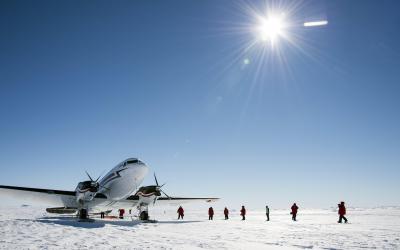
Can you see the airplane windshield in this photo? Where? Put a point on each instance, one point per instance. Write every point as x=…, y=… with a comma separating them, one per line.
x=132, y=161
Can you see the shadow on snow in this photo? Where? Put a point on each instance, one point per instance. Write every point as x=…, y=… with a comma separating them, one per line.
x=74, y=222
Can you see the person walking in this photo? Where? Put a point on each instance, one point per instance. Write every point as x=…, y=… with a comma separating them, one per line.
x=294, y=211
x=226, y=213
x=243, y=213
x=210, y=213
x=342, y=212
x=267, y=212
x=180, y=212
x=121, y=213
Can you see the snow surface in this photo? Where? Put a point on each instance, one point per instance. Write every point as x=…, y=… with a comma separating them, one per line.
x=32, y=228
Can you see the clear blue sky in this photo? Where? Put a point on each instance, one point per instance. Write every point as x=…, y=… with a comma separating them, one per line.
x=85, y=84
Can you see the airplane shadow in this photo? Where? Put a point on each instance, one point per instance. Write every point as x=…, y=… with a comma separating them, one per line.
x=73, y=222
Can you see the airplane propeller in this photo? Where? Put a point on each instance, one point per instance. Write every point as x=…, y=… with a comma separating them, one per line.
x=89, y=175
x=95, y=183
x=158, y=188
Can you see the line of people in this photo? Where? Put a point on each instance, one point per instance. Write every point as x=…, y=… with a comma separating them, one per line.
x=294, y=209
x=181, y=213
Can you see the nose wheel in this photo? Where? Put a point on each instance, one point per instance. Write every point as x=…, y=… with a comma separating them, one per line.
x=83, y=214
x=144, y=215
x=143, y=209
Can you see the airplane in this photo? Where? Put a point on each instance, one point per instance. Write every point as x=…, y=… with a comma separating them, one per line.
x=115, y=190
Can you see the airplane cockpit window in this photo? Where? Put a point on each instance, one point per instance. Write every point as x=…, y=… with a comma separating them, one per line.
x=132, y=161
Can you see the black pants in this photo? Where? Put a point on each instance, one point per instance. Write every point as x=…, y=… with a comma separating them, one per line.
x=226, y=217
x=210, y=217
x=294, y=216
x=180, y=216
x=102, y=215
x=342, y=217
x=243, y=217
x=267, y=216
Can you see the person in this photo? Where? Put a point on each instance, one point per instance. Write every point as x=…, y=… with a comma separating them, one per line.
x=210, y=213
x=294, y=211
x=180, y=212
x=267, y=212
x=226, y=213
x=121, y=213
x=102, y=215
x=342, y=212
x=243, y=213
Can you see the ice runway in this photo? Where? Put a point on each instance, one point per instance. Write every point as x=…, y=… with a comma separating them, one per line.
x=32, y=228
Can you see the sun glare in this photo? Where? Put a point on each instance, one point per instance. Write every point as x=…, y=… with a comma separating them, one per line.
x=271, y=28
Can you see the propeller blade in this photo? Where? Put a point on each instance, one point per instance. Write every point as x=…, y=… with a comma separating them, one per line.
x=165, y=194
x=89, y=176
x=100, y=176
x=162, y=185
x=155, y=178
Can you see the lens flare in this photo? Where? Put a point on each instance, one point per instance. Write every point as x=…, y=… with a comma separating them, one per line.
x=315, y=23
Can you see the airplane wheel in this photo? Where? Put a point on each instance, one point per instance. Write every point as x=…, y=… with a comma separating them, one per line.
x=83, y=215
x=144, y=215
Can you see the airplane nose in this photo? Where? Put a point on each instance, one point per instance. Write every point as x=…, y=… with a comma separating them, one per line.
x=141, y=169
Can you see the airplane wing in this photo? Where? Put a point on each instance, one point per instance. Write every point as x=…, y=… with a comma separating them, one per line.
x=40, y=196
x=67, y=199
x=133, y=200
x=181, y=200
x=59, y=198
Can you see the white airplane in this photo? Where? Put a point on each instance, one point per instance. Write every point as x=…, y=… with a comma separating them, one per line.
x=115, y=190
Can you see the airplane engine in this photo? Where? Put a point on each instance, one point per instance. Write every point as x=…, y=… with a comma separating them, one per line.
x=86, y=191
x=148, y=194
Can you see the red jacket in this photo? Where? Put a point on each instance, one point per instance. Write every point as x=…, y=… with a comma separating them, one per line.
x=294, y=209
x=243, y=211
x=210, y=211
x=342, y=210
x=180, y=211
x=226, y=211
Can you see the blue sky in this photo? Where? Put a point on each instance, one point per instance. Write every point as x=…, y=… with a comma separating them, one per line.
x=85, y=84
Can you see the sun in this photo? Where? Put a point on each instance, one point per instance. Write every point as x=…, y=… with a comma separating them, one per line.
x=271, y=28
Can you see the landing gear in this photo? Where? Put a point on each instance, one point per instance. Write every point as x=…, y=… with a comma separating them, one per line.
x=83, y=214
x=144, y=215
x=143, y=209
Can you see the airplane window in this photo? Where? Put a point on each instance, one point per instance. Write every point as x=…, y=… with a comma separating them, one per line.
x=132, y=161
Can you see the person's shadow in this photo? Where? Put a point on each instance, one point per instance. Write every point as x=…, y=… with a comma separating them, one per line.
x=178, y=221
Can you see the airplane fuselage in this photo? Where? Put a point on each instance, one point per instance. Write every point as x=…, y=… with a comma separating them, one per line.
x=123, y=179
x=119, y=183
